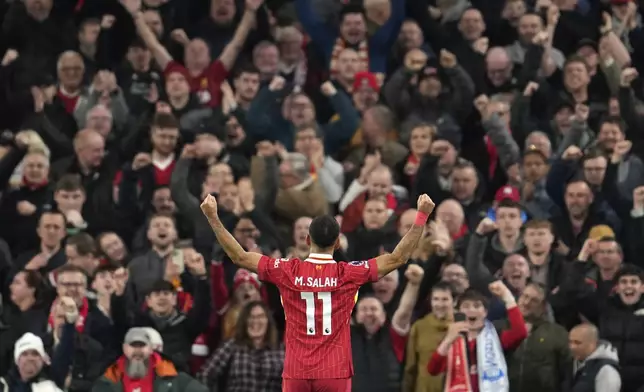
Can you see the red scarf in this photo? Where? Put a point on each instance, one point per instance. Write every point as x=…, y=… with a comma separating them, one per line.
x=34, y=185
x=69, y=101
x=460, y=233
x=457, y=376
x=414, y=161
x=82, y=315
x=392, y=203
x=145, y=384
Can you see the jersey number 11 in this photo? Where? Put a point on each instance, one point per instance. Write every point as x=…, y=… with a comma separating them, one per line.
x=325, y=298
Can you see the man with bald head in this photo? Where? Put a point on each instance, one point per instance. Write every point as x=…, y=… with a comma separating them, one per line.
x=375, y=182
x=595, y=362
x=498, y=67
x=89, y=147
x=451, y=213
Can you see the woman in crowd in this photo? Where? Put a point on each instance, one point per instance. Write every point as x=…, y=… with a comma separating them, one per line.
x=246, y=288
x=253, y=360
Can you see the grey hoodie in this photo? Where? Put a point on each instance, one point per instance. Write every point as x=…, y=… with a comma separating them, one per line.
x=607, y=379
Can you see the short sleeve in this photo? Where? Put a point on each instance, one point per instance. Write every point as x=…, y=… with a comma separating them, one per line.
x=271, y=270
x=360, y=272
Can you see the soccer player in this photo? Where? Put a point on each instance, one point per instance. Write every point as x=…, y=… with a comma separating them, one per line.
x=318, y=295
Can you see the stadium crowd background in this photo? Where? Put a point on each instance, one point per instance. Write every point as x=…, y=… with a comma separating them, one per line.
x=522, y=120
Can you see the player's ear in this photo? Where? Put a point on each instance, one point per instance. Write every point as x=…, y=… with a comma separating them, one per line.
x=308, y=240
x=337, y=244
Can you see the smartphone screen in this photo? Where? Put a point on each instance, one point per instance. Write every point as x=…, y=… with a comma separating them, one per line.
x=458, y=317
x=177, y=259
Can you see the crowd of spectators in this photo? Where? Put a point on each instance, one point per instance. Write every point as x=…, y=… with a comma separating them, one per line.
x=523, y=120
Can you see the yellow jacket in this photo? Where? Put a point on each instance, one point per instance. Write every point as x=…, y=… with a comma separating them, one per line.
x=424, y=337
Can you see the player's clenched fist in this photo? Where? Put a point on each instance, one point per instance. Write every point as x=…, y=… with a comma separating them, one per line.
x=414, y=274
x=209, y=206
x=425, y=204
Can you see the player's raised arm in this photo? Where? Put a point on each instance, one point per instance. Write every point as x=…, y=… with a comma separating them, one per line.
x=391, y=261
x=236, y=252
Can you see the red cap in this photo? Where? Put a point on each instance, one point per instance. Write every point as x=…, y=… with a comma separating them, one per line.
x=507, y=192
x=365, y=78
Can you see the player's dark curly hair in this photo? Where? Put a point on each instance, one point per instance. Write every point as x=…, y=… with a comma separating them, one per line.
x=324, y=231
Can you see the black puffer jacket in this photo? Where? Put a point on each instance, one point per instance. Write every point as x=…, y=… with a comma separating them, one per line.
x=623, y=327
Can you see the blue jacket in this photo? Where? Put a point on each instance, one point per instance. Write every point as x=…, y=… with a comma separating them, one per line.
x=324, y=36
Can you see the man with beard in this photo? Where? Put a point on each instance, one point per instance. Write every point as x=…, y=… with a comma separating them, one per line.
x=541, y=363
x=142, y=369
x=178, y=327
x=148, y=268
x=530, y=25
x=579, y=212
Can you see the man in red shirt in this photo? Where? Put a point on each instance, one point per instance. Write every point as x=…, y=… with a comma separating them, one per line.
x=205, y=75
x=318, y=295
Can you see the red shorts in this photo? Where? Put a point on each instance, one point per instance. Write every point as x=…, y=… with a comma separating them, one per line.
x=324, y=385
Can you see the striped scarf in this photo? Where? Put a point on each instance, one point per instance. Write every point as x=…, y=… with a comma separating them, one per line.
x=340, y=45
x=299, y=70
x=492, y=370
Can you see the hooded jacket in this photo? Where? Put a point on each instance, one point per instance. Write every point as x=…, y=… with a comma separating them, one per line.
x=598, y=372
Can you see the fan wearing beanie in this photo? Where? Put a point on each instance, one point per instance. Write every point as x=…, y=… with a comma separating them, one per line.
x=34, y=370
x=246, y=288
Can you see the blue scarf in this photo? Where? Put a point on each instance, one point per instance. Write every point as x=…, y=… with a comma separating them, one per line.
x=492, y=368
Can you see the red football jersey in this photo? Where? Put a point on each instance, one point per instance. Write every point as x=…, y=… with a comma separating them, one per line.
x=318, y=295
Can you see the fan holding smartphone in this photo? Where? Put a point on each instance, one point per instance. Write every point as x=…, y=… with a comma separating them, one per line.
x=472, y=352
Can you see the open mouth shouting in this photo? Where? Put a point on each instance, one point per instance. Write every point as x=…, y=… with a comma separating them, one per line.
x=630, y=296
